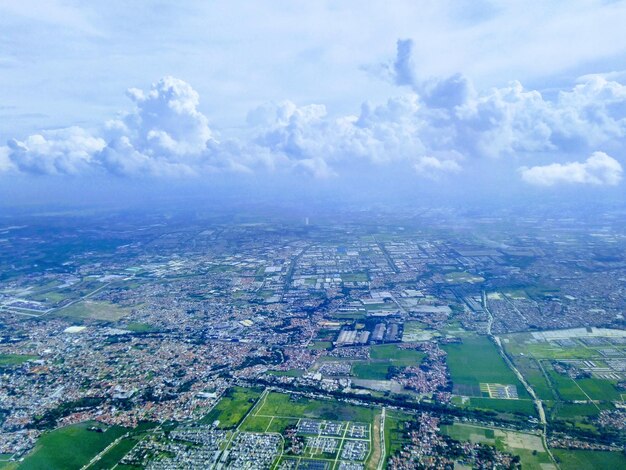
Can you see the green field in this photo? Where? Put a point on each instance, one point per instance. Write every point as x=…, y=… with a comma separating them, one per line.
x=589, y=460
x=93, y=310
x=371, y=370
x=136, y=327
x=525, y=406
x=276, y=411
x=528, y=447
x=354, y=277
x=293, y=406
x=318, y=345
x=114, y=455
x=476, y=361
x=532, y=370
x=256, y=423
x=461, y=277
x=287, y=373
x=395, y=432
x=382, y=357
x=233, y=406
x=397, y=356
x=70, y=447
x=15, y=359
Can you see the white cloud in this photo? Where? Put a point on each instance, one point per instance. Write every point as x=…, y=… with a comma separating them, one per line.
x=166, y=122
x=433, y=167
x=5, y=161
x=63, y=151
x=598, y=169
x=431, y=128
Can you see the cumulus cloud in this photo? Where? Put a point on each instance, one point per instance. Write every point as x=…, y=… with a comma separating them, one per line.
x=512, y=120
x=433, y=167
x=63, y=151
x=435, y=92
x=435, y=127
x=599, y=169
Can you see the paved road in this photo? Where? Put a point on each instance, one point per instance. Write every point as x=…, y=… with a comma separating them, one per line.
x=527, y=386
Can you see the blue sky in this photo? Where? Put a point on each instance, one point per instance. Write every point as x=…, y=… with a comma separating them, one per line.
x=532, y=91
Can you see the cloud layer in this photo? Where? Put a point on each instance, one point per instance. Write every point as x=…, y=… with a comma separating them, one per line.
x=435, y=127
x=598, y=169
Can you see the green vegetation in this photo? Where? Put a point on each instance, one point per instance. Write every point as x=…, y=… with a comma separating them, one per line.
x=137, y=327
x=461, y=277
x=70, y=447
x=528, y=447
x=114, y=455
x=588, y=459
x=395, y=432
x=287, y=373
x=383, y=357
x=94, y=310
x=371, y=370
x=397, y=356
x=354, y=277
x=525, y=407
x=476, y=361
x=256, y=423
x=599, y=389
x=233, y=406
x=532, y=370
x=320, y=345
x=288, y=406
x=15, y=359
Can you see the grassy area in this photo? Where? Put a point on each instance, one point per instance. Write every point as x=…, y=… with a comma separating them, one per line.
x=114, y=455
x=232, y=407
x=320, y=345
x=371, y=370
x=532, y=371
x=354, y=277
x=70, y=447
x=578, y=410
x=599, y=389
x=461, y=277
x=476, y=361
x=395, y=434
x=525, y=407
x=397, y=356
x=383, y=357
x=256, y=423
x=588, y=459
x=287, y=373
x=94, y=310
x=287, y=406
x=528, y=447
x=417, y=331
x=15, y=359
x=137, y=327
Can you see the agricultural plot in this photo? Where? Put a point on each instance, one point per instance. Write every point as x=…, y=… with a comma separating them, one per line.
x=395, y=435
x=382, y=358
x=11, y=360
x=314, y=433
x=476, y=360
x=528, y=447
x=94, y=310
x=70, y=447
x=588, y=460
x=577, y=365
x=416, y=331
x=233, y=406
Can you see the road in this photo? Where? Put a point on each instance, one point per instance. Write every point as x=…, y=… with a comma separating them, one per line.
x=527, y=386
x=383, y=451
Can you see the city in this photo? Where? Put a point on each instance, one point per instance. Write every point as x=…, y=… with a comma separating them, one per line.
x=317, y=344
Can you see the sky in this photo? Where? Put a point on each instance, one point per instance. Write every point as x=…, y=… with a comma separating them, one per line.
x=99, y=99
